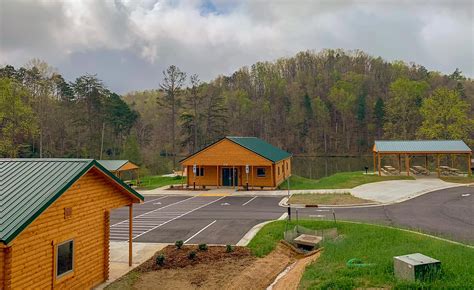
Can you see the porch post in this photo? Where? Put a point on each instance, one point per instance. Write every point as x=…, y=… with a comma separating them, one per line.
x=130, y=233
x=217, y=176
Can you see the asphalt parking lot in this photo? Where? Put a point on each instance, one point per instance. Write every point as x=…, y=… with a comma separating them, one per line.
x=200, y=219
x=447, y=213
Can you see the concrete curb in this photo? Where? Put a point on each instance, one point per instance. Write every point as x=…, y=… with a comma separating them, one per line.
x=253, y=231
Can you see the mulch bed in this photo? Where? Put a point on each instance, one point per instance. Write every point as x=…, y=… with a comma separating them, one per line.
x=179, y=258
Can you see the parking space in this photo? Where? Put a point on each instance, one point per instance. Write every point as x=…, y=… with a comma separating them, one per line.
x=209, y=219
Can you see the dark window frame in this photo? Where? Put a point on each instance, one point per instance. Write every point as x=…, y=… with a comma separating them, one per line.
x=200, y=171
x=264, y=172
x=60, y=275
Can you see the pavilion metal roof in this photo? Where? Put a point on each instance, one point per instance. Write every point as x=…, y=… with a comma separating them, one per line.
x=421, y=146
x=30, y=186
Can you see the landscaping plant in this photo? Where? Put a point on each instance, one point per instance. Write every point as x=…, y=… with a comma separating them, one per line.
x=229, y=248
x=179, y=244
x=192, y=255
x=202, y=247
x=160, y=260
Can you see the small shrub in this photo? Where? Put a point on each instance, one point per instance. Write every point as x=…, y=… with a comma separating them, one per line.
x=179, y=244
x=192, y=255
x=160, y=260
x=229, y=248
x=202, y=247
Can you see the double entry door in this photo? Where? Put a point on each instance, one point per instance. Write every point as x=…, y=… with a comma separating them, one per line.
x=229, y=179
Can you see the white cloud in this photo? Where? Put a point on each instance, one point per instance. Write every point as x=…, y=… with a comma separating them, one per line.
x=215, y=38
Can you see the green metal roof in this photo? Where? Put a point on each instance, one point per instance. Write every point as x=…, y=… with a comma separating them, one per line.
x=261, y=148
x=29, y=186
x=428, y=146
x=112, y=165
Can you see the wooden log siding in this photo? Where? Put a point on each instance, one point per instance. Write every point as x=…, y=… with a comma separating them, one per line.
x=2, y=266
x=226, y=153
x=32, y=252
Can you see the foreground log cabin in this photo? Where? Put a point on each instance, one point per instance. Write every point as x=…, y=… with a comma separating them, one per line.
x=238, y=162
x=54, y=229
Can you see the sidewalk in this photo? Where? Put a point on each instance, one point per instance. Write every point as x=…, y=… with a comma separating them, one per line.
x=400, y=190
x=119, y=258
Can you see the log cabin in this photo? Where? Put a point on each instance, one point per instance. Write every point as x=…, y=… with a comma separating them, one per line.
x=54, y=229
x=239, y=162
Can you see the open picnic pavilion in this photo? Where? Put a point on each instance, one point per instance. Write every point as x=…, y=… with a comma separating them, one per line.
x=422, y=148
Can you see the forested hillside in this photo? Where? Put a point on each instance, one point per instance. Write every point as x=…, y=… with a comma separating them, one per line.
x=328, y=103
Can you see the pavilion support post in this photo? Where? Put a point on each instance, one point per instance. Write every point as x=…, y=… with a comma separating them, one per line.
x=130, y=234
x=469, y=171
x=375, y=161
x=437, y=166
x=399, y=163
x=379, y=165
x=407, y=164
x=426, y=162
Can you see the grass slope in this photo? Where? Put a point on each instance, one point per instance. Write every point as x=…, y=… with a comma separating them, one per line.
x=338, y=180
x=372, y=244
x=458, y=179
x=152, y=182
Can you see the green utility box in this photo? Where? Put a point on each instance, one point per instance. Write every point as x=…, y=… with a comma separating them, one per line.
x=416, y=267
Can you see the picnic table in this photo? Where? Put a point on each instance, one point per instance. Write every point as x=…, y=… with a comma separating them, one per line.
x=391, y=169
x=449, y=170
x=421, y=170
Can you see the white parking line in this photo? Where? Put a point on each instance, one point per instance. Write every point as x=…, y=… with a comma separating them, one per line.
x=148, y=212
x=156, y=199
x=249, y=201
x=200, y=231
x=175, y=218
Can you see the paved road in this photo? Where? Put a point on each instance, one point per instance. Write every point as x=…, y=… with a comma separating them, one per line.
x=225, y=220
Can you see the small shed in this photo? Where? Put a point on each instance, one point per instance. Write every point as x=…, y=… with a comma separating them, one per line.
x=121, y=167
x=425, y=148
x=247, y=162
x=55, y=219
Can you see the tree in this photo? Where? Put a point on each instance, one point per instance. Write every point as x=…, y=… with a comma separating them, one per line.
x=402, y=109
x=191, y=117
x=379, y=115
x=173, y=81
x=17, y=120
x=445, y=116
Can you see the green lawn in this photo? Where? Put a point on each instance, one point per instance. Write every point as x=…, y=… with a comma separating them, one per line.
x=325, y=198
x=338, y=180
x=458, y=179
x=377, y=245
x=152, y=182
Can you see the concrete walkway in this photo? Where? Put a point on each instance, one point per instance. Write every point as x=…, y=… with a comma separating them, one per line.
x=393, y=191
x=119, y=258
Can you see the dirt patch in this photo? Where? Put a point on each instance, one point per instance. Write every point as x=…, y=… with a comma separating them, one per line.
x=179, y=258
x=263, y=271
x=292, y=278
x=211, y=269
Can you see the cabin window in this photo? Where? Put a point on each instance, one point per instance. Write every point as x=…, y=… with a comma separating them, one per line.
x=260, y=172
x=200, y=171
x=64, y=258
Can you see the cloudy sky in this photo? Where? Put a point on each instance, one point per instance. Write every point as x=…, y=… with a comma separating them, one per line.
x=128, y=43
